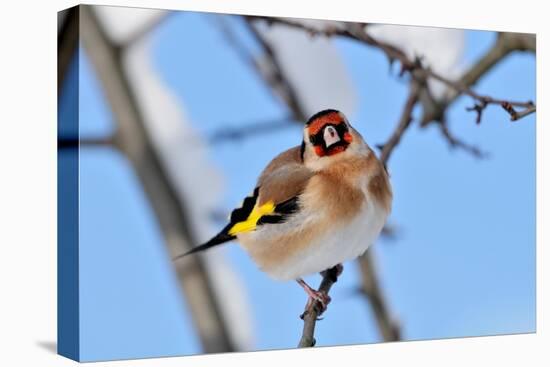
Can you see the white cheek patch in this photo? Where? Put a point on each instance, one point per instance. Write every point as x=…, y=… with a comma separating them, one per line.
x=330, y=135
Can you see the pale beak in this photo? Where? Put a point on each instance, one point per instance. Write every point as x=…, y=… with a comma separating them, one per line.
x=331, y=137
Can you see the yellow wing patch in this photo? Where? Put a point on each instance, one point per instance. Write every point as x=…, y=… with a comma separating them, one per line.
x=250, y=223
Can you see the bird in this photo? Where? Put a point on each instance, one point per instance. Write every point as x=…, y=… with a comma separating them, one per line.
x=314, y=206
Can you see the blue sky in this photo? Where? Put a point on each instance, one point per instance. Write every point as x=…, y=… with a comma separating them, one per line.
x=463, y=263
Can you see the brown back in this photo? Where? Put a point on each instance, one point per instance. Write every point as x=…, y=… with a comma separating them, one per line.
x=284, y=177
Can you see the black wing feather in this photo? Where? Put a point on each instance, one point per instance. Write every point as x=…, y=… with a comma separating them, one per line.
x=282, y=210
x=237, y=215
x=242, y=213
x=288, y=207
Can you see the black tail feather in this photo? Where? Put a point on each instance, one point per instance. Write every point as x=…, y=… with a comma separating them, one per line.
x=237, y=215
x=220, y=238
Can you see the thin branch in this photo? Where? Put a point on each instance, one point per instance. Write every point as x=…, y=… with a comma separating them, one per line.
x=403, y=124
x=239, y=133
x=455, y=142
x=356, y=31
x=274, y=75
x=353, y=31
x=135, y=142
x=505, y=44
x=370, y=286
x=515, y=115
x=482, y=101
x=268, y=67
x=464, y=89
x=312, y=313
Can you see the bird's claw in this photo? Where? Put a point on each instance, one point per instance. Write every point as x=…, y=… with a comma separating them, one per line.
x=318, y=300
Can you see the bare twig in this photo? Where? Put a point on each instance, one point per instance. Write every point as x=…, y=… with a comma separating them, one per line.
x=505, y=44
x=268, y=67
x=464, y=89
x=275, y=77
x=515, y=115
x=455, y=142
x=356, y=31
x=403, y=124
x=312, y=313
x=134, y=141
x=227, y=133
x=482, y=101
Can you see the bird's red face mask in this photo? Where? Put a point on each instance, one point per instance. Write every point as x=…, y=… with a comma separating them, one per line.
x=329, y=134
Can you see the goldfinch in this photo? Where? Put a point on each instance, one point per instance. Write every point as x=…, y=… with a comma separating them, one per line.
x=314, y=206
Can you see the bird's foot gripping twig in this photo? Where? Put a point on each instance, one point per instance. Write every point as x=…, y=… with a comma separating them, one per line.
x=316, y=307
x=318, y=299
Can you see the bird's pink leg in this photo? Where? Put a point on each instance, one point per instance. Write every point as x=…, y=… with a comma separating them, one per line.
x=321, y=297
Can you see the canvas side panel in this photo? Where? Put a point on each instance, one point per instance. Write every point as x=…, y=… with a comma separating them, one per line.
x=67, y=185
